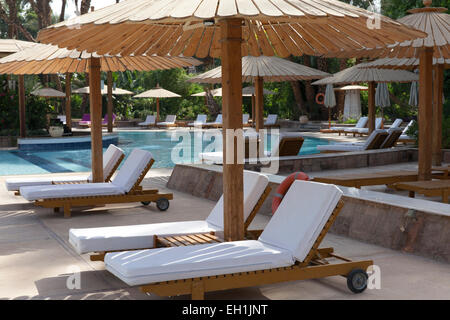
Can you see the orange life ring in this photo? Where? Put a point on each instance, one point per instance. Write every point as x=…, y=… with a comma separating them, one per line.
x=284, y=187
x=320, y=98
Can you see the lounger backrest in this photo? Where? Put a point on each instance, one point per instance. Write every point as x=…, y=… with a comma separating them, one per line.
x=397, y=123
x=62, y=119
x=254, y=186
x=378, y=123
x=86, y=117
x=376, y=139
x=391, y=140
x=150, y=119
x=301, y=216
x=289, y=145
x=219, y=118
x=362, y=122
x=201, y=118
x=245, y=118
x=171, y=118
x=271, y=119
x=132, y=169
x=111, y=157
x=408, y=126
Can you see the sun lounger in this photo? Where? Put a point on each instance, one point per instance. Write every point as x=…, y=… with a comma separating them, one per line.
x=287, y=250
x=392, y=138
x=374, y=141
x=105, y=120
x=396, y=124
x=215, y=124
x=289, y=145
x=124, y=188
x=106, y=239
x=170, y=121
x=362, y=122
x=199, y=122
x=433, y=188
x=271, y=121
x=85, y=120
x=245, y=120
x=149, y=121
x=362, y=131
x=111, y=161
x=405, y=138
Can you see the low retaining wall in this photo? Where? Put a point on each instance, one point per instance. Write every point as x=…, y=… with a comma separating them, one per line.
x=8, y=142
x=399, y=223
x=347, y=160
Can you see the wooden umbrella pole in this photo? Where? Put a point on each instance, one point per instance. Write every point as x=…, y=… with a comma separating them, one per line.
x=233, y=171
x=425, y=112
x=157, y=109
x=371, y=112
x=96, y=119
x=22, y=117
x=253, y=110
x=69, y=100
x=329, y=118
x=259, y=103
x=438, y=90
x=110, y=101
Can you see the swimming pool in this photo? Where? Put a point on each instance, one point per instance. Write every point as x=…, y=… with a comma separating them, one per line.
x=164, y=145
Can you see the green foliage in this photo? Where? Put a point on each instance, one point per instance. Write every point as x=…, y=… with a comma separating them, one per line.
x=398, y=8
x=446, y=133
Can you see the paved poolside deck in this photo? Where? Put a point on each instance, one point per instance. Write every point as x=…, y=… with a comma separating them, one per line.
x=36, y=258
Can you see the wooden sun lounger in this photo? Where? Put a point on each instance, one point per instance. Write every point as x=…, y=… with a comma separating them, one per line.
x=136, y=194
x=374, y=145
x=195, y=239
x=319, y=263
x=434, y=188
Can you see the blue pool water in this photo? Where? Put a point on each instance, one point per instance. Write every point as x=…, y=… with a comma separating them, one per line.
x=164, y=145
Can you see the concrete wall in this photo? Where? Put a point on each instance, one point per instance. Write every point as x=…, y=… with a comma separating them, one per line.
x=8, y=142
x=391, y=226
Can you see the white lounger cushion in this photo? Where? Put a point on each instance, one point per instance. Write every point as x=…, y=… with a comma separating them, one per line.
x=155, y=265
x=170, y=119
x=148, y=121
x=357, y=146
x=360, y=124
x=245, y=118
x=132, y=237
x=110, y=159
x=141, y=236
x=289, y=236
x=271, y=119
x=132, y=169
x=201, y=119
x=69, y=191
x=301, y=216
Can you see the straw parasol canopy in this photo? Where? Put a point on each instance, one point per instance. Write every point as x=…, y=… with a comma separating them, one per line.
x=48, y=93
x=48, y=59
x=282, y=27
x=229, y=30
x=115, y=91
x=352, y=87
x=10, y=46
x=407, y=63
x=357, y=74
x=272, y=69
x=157, y=93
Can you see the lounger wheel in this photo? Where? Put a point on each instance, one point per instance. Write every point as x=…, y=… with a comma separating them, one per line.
x=357, y=280
x=162, y=204
x=146, y=203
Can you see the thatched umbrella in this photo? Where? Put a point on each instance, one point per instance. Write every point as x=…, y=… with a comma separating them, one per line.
x=10, y=46
x=48, y=93
x=48, y=59
x=157, y=93
x=358, y=74
x=229, y=30
x=260, y=69
x=433, y=49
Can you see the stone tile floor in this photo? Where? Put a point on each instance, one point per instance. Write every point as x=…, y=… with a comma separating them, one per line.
x=36, y=258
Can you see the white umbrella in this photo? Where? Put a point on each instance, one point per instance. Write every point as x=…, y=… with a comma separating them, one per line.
x=329, y=101
x=414, y=94
x=48, y=93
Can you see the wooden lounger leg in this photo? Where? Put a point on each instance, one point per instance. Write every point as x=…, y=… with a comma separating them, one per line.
x=67, y=211
x=412, y=194
x=198, y=290
x=445, y=196
x=56, y=210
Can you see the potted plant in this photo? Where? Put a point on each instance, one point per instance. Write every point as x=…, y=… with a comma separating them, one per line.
x=56, y=128
x=303, y=119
